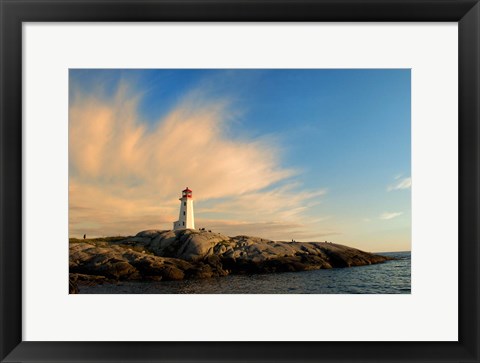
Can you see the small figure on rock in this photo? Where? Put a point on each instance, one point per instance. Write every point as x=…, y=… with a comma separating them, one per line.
x=84, y=236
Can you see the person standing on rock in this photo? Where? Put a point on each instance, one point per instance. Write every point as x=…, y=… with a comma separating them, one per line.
x=84, y=236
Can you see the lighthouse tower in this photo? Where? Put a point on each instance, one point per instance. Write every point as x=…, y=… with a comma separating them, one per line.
x=185, y=218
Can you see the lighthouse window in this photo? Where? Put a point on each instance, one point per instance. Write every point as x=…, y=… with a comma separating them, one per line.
x=183, y=223
x=184, y=204
x=183, y=212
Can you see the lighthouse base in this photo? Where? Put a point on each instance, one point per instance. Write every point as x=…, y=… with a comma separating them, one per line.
x=181, y=225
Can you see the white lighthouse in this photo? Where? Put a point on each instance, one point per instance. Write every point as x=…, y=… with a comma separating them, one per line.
x=185, y=218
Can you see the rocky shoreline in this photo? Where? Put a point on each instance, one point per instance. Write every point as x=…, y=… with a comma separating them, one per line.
x=157, y=255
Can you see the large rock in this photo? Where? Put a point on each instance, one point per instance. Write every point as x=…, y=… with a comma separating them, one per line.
x=120, y=263
x=187, y=244
x=175, y=255
x=194, y=246
x=249, y=254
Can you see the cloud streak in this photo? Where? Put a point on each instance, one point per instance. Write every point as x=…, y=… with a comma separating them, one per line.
x=126, y=174
x=390, y=215
x=401, y=183
x=276, y=230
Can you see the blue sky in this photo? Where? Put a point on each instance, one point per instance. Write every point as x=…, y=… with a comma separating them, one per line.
x=339, y=138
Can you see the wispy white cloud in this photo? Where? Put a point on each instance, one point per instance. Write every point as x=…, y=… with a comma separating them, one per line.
x=400, y=183
x=281, y=203
x=126, y=176
x=275, y=230
x=390, y=215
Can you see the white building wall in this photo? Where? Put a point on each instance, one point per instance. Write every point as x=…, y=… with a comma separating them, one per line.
x=186, y=216
x=190, y=222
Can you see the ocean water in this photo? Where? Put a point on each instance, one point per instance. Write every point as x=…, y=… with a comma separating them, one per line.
x=391, y=277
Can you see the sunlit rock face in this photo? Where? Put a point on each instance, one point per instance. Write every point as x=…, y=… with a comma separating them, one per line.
x=194, y=245
x=193, y=254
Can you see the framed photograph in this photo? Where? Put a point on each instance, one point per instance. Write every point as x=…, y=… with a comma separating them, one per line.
x=240, y=181
x=258, y=209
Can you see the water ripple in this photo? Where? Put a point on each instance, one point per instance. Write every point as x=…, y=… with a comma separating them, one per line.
x=392, y=277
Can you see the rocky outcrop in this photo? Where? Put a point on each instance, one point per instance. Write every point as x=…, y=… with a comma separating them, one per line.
x=189, y=254
x=117, y=262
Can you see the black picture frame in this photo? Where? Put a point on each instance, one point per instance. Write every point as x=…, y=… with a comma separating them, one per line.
x=14, y=12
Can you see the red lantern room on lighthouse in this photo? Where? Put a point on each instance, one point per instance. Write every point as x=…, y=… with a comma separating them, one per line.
x=187, y=193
